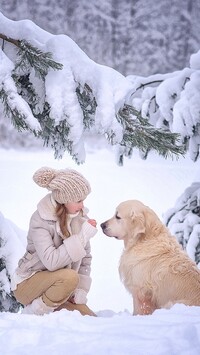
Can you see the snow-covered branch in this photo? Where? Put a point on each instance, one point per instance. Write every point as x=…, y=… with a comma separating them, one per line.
x=173, y=101
x=62, y=97
x=12, y=247
x=184, y=221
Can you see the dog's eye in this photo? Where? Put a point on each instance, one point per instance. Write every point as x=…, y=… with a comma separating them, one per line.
x=117, y=217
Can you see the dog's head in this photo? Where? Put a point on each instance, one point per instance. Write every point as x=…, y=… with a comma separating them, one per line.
x=130, y=222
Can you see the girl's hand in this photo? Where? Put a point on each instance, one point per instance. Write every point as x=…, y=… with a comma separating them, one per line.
x=93, y=222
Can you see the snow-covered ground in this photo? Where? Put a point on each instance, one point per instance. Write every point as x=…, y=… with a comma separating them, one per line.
x=157, y=183
x=172, y=332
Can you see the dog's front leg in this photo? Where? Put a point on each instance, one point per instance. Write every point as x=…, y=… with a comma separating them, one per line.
x=143, y=304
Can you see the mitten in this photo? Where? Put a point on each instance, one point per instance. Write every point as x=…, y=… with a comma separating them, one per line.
x=87, y=232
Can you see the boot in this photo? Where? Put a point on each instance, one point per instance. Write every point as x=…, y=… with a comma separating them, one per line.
x=82, y=308
x=37, y=307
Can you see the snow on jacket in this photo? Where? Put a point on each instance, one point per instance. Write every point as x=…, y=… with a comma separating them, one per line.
x=48, y=249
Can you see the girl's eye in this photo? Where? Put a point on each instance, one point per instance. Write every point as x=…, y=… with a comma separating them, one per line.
x=117, y=217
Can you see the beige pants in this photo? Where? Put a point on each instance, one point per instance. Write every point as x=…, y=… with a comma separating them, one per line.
x=55, y=287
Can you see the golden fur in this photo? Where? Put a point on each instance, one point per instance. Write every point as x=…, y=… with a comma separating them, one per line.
x=153, y=266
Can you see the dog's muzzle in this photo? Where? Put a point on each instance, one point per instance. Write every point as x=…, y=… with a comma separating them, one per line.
x=103, y=226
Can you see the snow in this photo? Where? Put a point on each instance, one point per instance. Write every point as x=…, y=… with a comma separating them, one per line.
x=156, y=182
x=165, y=332
x=172, y=98
x=110, y=88
x=194, y=60
x=168, y=100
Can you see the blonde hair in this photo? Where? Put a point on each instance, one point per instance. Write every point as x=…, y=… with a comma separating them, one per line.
x=61, y=213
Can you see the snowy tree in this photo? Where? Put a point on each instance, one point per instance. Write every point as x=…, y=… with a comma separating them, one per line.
x=131, y=36
x=12, y=246
x=62, y=99
x=173, y=101
x=184, y=221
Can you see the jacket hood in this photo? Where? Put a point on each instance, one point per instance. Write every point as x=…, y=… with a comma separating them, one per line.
x=47, y=208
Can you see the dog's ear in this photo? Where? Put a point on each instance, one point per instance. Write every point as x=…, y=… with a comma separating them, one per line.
x=138, y=222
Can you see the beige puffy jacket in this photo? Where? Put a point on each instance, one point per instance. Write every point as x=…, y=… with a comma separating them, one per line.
x=48, y=250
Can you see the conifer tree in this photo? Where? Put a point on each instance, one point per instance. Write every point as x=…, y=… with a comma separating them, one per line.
x=184, y=221
x=9, y=234
x=84, y=105
x=7, y=300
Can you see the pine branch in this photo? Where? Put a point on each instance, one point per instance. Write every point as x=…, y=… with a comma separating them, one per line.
x=88, y=104
x=55, y=136
x=26, y=90
x=138, y=132
x=30, y=56
x=17, y=118
x=149, y=83
x=9, y=39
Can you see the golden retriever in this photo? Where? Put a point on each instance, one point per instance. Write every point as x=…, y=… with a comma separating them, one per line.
x=153, y=267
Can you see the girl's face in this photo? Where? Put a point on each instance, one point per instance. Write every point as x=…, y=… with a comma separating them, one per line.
x=74, y=207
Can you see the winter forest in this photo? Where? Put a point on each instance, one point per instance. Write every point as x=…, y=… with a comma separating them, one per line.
x=127, y=72
x=108, y=31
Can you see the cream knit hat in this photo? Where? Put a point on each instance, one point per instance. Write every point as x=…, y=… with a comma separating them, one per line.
x=67, y=185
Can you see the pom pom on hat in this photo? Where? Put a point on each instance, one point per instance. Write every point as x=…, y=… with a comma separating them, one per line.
x=43, y=176
x=66, y=185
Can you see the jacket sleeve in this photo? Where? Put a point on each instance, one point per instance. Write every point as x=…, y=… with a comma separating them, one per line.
x=85, y=270
x=52, y=257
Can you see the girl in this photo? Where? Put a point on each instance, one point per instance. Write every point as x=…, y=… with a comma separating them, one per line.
x=54, y=272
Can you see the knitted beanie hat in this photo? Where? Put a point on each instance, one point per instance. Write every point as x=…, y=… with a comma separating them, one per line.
x=67, y=185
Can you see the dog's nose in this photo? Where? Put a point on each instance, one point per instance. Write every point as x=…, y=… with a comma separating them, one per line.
x=103, y=225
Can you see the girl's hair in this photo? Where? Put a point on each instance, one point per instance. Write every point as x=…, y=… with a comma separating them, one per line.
x=61, y=213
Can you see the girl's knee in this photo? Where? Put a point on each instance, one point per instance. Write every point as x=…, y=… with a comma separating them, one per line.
x=70, y=277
